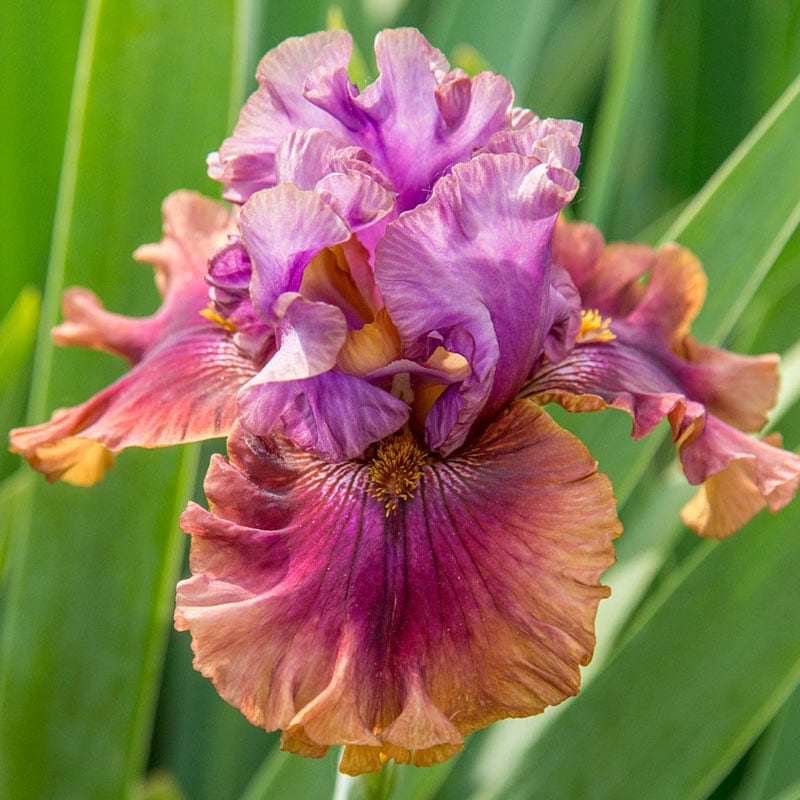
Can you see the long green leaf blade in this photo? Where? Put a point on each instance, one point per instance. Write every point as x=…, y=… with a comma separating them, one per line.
x=740, y=221
x=94, y=570
x=689, y=692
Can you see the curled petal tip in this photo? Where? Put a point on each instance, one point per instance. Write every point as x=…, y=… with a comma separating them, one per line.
x=744, y=476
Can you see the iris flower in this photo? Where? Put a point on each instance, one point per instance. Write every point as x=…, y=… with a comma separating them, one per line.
x=402, y=547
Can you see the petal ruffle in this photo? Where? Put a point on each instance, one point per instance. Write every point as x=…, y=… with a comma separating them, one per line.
x=424, y=118
x=470, y=270
x=186, y=370
x=315, y=611
x=283, y=229
x=415, y=120
x=184, y=390
x=653, y=369
x=748, y=476
x=245, y=162
x=334, y=415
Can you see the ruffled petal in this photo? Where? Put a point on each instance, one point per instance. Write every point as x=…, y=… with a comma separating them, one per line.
x=245, y=162
x=607, y=276
x=187, y=369
x=740, y=474
x=315, y=611
x=283, y=229
x=334, y=415
x=184, y=390
x=469, y=270
x=422, y=117
x=194, y=228
x=644, y=361
x=746, y=476
x=738, y=389
x=342, y=175
x=415, y=120
x=550, y=141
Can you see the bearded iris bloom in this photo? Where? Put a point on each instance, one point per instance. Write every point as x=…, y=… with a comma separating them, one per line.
x=402, y=547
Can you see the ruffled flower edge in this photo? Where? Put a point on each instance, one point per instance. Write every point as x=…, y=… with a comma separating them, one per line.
x=316, y=611
x=185, y=367
x=641, y=358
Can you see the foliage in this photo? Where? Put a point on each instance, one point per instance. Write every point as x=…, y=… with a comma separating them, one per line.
x=691, y=110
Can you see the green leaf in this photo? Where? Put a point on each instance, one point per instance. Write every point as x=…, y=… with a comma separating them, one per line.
x=689, y=692
x=287, y=775
x=38, y=49
x=510, y=41
x=93, y=571
x=571, y=62
x=774, y=769
x=17, y=339
x=622, y=98
x=737, y=233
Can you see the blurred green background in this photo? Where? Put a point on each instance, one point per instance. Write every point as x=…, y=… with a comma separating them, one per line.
x=692, y=132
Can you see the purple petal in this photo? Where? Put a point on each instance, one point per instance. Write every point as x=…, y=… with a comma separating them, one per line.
x=547, y=140
x=283, y=229
x=245, y=162
x=471, y=268
x=333, y=415
x=416, y=120
x=342, y=175
x=425, y=119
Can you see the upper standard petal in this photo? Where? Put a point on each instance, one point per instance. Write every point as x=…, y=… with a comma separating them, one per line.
x=245, y=162
x=415, y=120
x=470, y=270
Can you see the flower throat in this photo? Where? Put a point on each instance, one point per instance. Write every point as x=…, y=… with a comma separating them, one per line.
x=396, y=465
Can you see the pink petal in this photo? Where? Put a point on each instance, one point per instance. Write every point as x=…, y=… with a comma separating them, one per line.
x=245, y=162
x=653, y=369
x=740, y=476
x=470, y=270
x=184, y=390
x=283, y=229
x=186, y=369
x=315, y=611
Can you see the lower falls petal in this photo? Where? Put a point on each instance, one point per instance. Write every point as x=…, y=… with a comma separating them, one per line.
x=317, y=609
x=184, y=390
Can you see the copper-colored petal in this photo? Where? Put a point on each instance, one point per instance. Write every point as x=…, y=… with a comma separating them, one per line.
x=675, y=293
x=315, y=609
x=186, y=368
x=738, y=389
x=183, y=391
x=739, y=476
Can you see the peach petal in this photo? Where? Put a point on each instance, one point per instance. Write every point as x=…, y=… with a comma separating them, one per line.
x=371, y=347
x=80, y=462
x=740, y=476
x=674, y=295
x=421, y=725
x=357, y=759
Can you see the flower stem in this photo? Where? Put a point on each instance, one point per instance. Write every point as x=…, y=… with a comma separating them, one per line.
x=372, y=786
